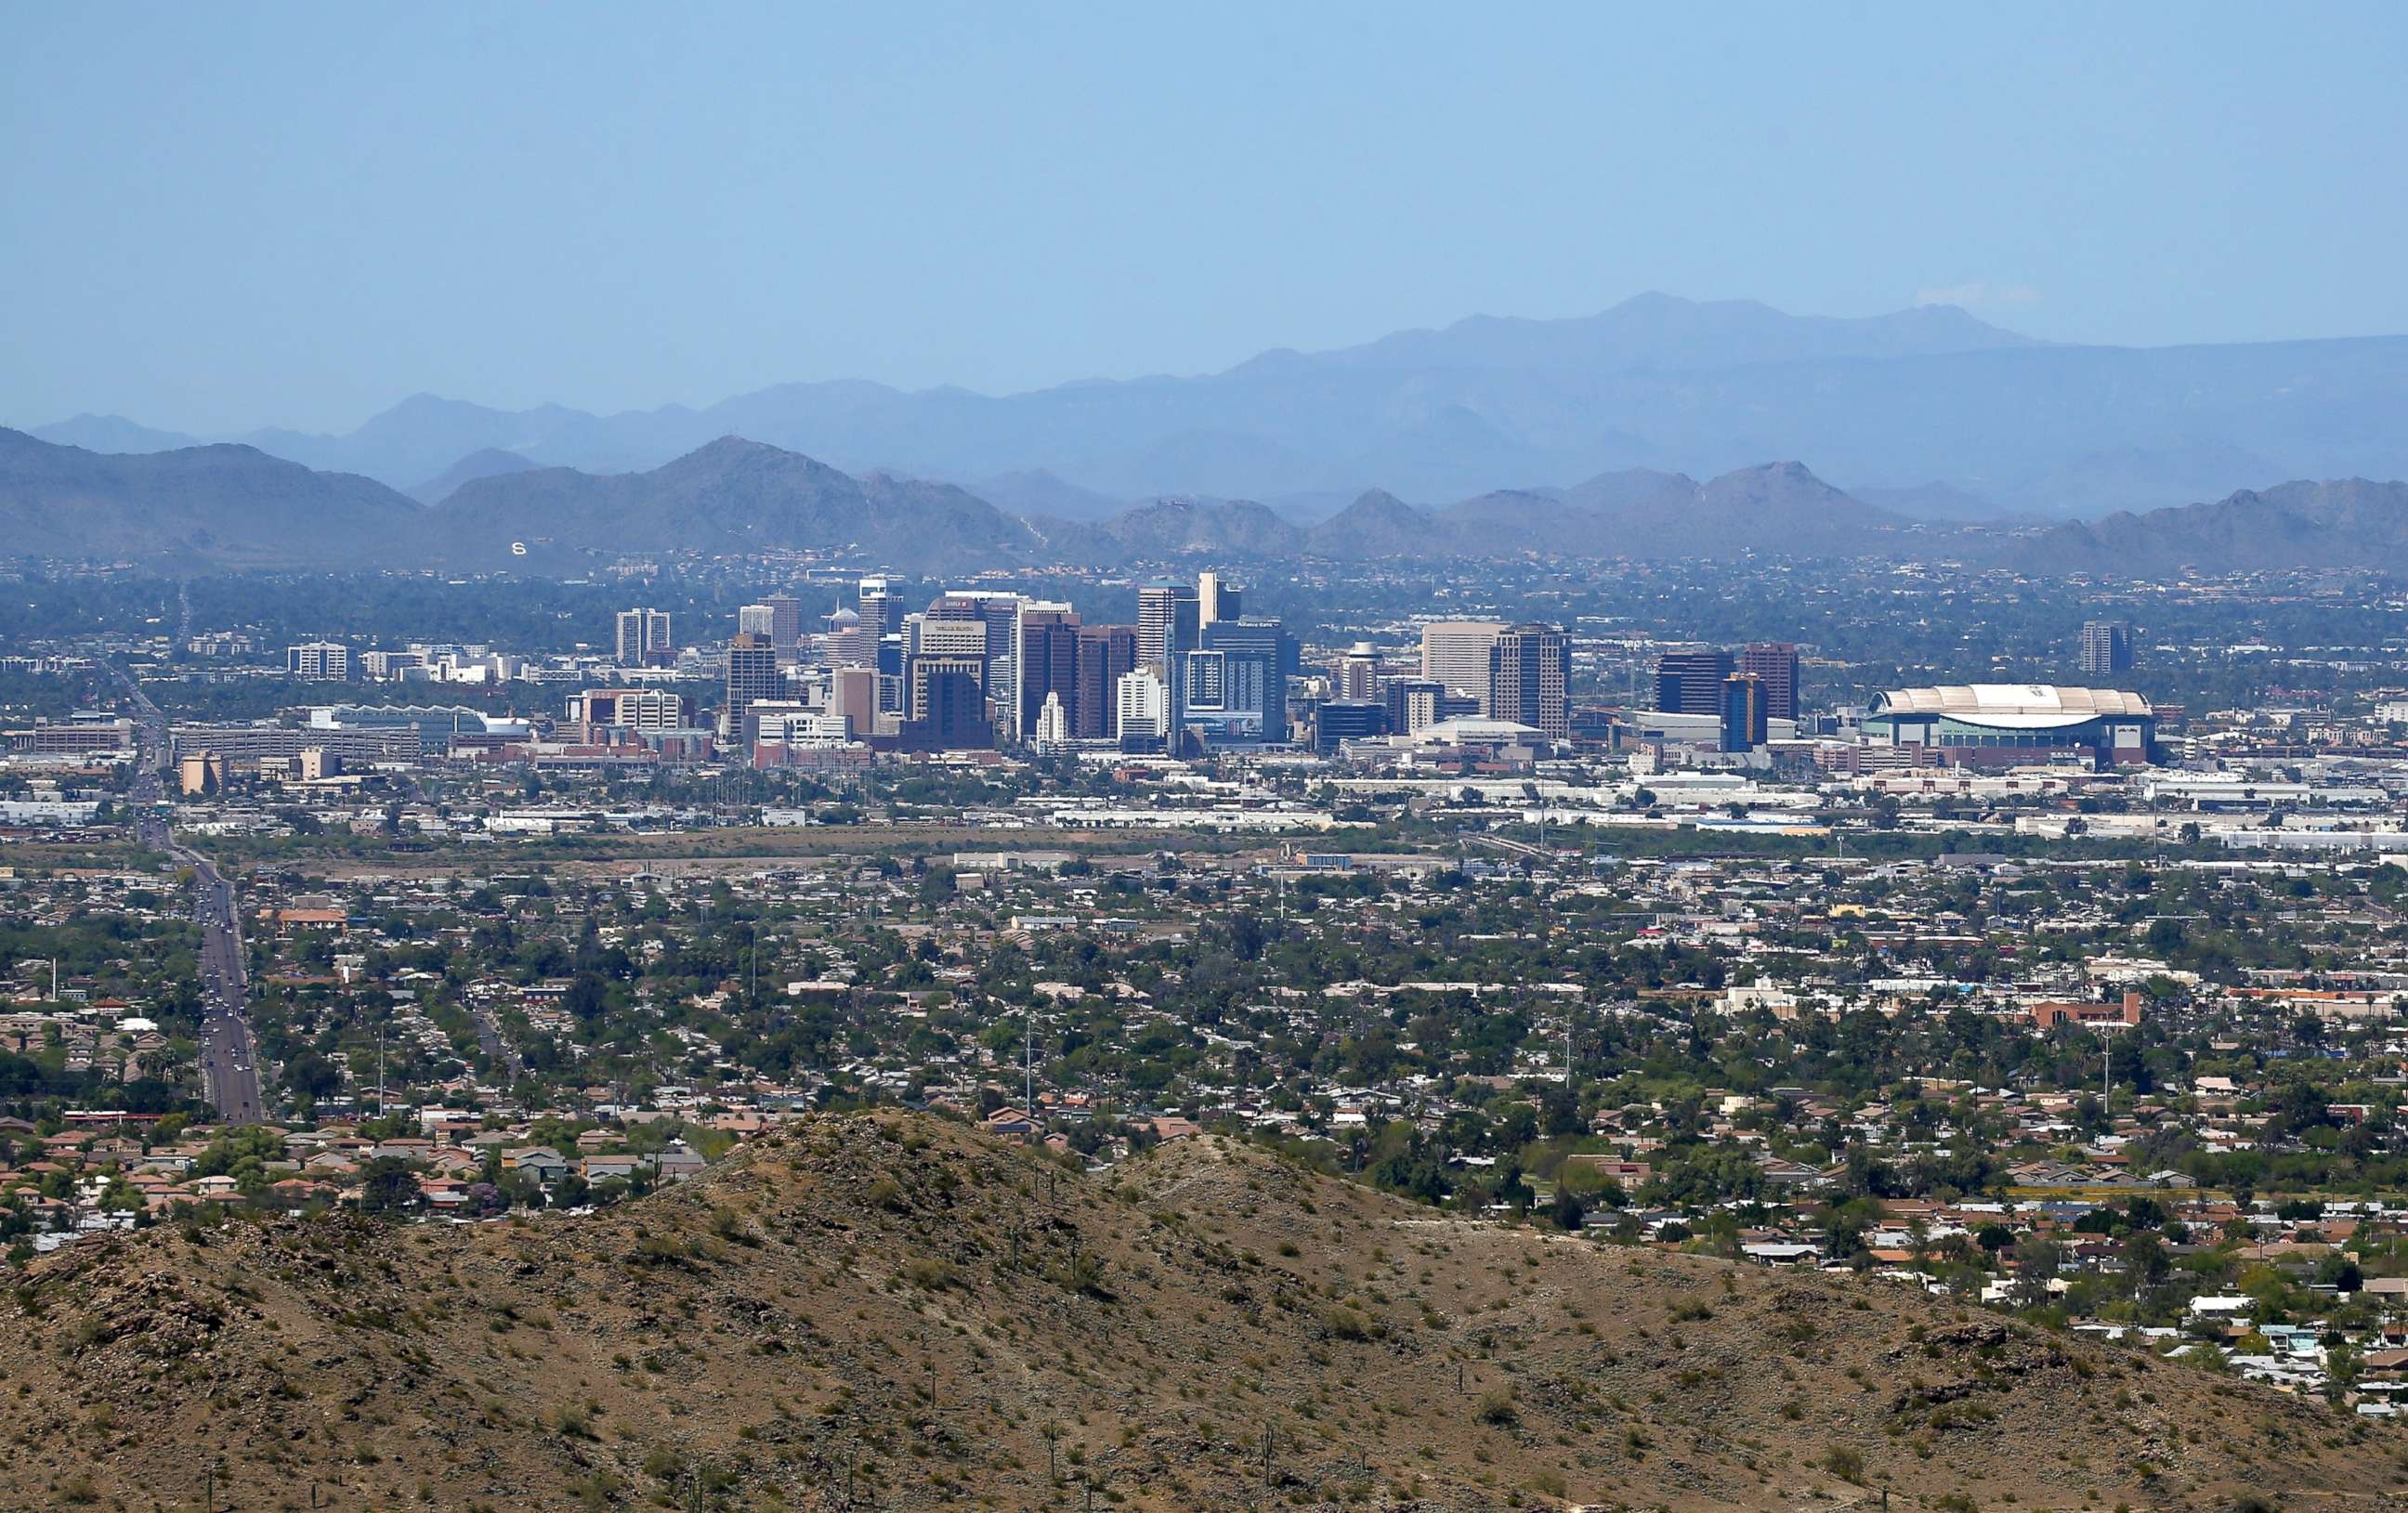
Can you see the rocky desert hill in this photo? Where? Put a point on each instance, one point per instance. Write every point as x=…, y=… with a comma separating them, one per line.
x=892, y=1312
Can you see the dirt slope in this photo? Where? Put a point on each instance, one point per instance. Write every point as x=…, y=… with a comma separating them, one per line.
x=893, y=1312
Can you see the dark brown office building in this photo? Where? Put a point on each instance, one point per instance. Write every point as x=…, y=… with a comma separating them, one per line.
x=1773, y=663
x=948, y=708
x=1105, y=652
x=1691, y=682
x=1529, y=676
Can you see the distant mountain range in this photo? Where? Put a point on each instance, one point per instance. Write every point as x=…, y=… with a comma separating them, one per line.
x=224, y=506
x=219, y=505
x=730, y=496
x=234, y=506
x=2347, y=522
x=491, y=462
x=1927, y=404
x=1778, y=508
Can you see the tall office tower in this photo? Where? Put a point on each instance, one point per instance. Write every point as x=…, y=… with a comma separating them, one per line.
x=1141, y=704
x=1166, y=624
x=644, y=638
x=318, y=661
x=2106, y=647
x=1774, y=664
x=847, y=642
x=925, y=635
x=752, y=678
x=853, y=693
x=998, y=611
x=994, y=608
x=1216, y=600
x=1262, y=638
x=1531, y=671
x=1228, y=697
x=1413, y=703
x=1106, y=654
x=1355, y=675
x=1691, y=682
x=880, y=610
x=949, y=703
x=756, y=620
x=1044, y=661
x=785, y=618
x=1744, y=698
x=1052, y=724
x=1455, y=653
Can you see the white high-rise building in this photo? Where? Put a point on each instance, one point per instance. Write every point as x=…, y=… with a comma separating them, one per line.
x=644, y=637
x=1169, y=620
x=1142, y=700
x=1456, y=652
x=318, y=661
x=1216, y=601
x=1052, y=724
x=1357, y=675
x=927, y=638
x=847, y=642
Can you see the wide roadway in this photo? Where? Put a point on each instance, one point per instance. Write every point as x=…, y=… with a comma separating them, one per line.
x=229, y=1060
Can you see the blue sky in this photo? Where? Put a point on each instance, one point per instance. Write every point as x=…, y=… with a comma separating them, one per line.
x=218, y=217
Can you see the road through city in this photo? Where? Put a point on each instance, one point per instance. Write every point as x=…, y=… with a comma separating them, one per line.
x=229, y=1058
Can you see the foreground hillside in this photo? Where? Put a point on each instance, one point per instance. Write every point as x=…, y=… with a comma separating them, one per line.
x=898, y=1308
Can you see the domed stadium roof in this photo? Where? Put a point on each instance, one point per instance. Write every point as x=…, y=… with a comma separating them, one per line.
x=2014, y=705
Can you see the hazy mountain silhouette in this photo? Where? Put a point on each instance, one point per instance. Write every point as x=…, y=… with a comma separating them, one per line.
x=491, y=461
x=1777, y=509
x=231, y=506
x=1898, y=401
x=111, y=433
x=2345, y=522
x=222, y=506
x=732, y=495
x=1033, y=492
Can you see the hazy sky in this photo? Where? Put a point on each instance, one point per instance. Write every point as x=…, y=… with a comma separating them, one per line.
x=214, y=217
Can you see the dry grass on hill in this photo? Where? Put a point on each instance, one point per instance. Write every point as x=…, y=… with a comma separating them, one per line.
x=890, y=1311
